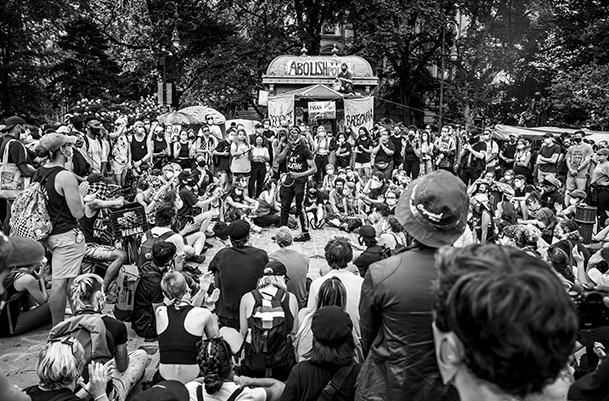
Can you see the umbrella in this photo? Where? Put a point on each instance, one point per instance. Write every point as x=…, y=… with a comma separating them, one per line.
x=198, y=113
x=176, y=118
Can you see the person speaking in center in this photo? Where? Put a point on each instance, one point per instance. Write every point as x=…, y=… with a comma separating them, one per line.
x=300, y=164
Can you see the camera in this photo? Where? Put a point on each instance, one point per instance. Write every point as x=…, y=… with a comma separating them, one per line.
x=591, y=310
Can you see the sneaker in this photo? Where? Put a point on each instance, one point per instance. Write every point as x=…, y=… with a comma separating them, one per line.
x=198, y=259
x=303, y=237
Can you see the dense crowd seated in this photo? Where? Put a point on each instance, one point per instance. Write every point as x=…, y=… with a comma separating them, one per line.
x=512, y=233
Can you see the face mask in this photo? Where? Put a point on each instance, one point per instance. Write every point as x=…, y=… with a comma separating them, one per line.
x=577, y=140
x=520, y=146
x=391, y=201
x=95, y=130
x=67, y=152
x=169, y=175
x=201, y=163
x=375, y=184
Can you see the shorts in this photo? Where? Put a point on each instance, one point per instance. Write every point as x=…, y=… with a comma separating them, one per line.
x=362, y=165
x=67, y=253
x=118, y=167
x=101, y=253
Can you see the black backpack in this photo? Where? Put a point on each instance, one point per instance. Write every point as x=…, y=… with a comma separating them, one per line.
x=270, y=347
x=145, y=254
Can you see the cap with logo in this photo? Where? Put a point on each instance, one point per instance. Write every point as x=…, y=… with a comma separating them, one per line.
x=54, y=141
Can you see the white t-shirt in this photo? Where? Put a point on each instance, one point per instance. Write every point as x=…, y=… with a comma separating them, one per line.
x=227, y=389
x=353, y=285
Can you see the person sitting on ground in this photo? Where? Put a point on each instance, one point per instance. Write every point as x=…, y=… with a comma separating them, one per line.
x=89, y=300
x=296, y=264
x=339, y=253
x=373, y=252
x=332, y=355
x=59, y=369
x=218, y=381
x=180, y=326
x=27, y=306
x=577, y=198
x=99, y=198
x=148, y=294
x=526, y=340
x=236, y=269
x=267, y=207
x=270, y=287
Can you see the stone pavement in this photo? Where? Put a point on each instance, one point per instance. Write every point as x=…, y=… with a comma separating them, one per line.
x=19, y=355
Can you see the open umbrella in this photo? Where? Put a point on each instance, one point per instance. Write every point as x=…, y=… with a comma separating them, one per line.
x=200, y=112
x=176, y=118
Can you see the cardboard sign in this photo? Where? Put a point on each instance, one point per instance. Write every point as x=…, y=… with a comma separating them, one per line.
x=322, y=110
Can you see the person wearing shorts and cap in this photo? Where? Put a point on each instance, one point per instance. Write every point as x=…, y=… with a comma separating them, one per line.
x=600, y=185
x=396, y=300
x=65, y=206
x=548, y=158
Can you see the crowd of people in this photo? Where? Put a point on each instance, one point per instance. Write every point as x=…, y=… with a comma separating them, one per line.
x=502, y=227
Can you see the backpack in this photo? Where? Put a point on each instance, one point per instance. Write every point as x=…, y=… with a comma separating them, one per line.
x=29, y=215
x=146, y=248
x=12, y=183
x=127, y=280
x=90, y=331
x=270, y=347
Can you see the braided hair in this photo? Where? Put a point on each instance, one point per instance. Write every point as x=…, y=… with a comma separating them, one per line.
x=215, y=362
x=88, y=291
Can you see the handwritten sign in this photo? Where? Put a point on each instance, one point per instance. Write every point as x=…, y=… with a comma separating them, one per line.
x=322, y=110
x=359, y=113
x=310, y=68
x=281, y=108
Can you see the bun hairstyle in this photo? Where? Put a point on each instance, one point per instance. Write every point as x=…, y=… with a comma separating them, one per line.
x=88, y=292
x=215, y=363
x=174, y=287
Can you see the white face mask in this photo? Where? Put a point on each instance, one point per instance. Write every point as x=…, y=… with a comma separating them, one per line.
x=375, y=184
x=169, y=175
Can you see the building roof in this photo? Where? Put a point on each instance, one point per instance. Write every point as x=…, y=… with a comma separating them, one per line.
x=314, y=92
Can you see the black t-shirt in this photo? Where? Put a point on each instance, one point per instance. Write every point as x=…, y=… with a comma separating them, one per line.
x=297, y=160
x=509, y=151
x=223, y=162
x=307, y=382
x=409, y=153
x=473, y=161
x=381, y=156
x=365, y=143
x=369, y=256
x=148, y=292
x=65, y=394
x=397, y=144
x=237, y=271
x=344, y=161
x=17, y=153
x=90, y=229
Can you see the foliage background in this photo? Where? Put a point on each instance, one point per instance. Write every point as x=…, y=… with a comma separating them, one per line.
x=102, y=57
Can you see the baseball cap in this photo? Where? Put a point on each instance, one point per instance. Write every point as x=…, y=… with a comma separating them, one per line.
x=19, y=251
x=331, y=326
x=579, y=194
x=275, y=268
x=63, y=130
x=367, y=232
x=379, y=175
x=548, y=135
x=603, y=152
x=54, y=141
x=10, y=122
x=138, y=123
x=238, y=230
x=184, y=175
x=283, y=235
x=551, y=181
x=168, y=390
x=433, y=209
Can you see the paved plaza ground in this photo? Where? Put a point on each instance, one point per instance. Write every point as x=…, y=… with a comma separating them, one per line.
x=18, y=355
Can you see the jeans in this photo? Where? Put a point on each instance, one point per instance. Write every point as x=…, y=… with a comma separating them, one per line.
x=469, y=175
x=287, y=194
x=257, y=177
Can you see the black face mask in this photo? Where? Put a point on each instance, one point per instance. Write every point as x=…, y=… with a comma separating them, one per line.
x=201, y=163
x=577, y=140
x=95, y=130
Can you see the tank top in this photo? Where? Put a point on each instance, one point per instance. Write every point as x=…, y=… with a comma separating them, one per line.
x=64, y=221
x=159, y=146
x=184, y=150
x=138, y=149
x=178, y=346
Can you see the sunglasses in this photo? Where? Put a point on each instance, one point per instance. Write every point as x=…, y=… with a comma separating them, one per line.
x=65, y=340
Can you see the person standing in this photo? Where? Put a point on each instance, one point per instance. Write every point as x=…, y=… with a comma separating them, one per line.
x=140, y=149
x=445, y=149
x=507, y=156
x=120, y=153
x=578, y=160
x=260, y=159
x=492, y=151
x=296, y=263
x=300, y=165
x=396, y=298
x=547, y=159
x=95, y=148
x=600, y=184
x=363, y=149
x=65, y=206
x=383, y=154
x=236, y=270
x=473, y=158
x=240, y=151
